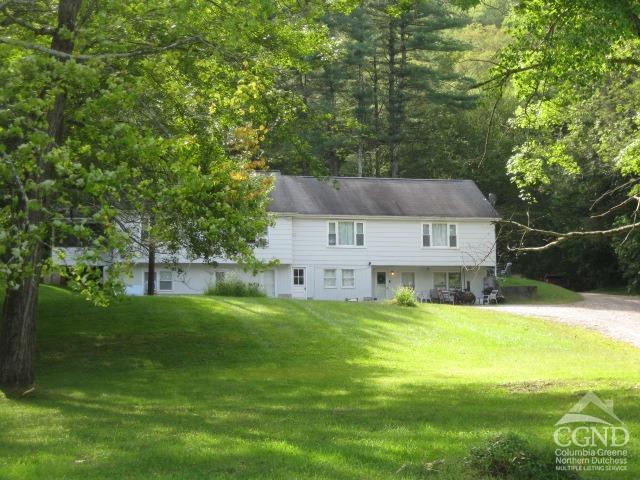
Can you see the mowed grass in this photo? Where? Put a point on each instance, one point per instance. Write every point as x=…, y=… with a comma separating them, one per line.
x=548, y=293
x=201, y=387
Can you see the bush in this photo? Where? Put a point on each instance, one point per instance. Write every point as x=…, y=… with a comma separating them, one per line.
x=405, y=297
x=510, y=456
x=235, y=288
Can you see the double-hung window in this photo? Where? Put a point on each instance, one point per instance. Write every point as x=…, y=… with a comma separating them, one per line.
x=453, y=235
x=426, y=235
x=439, y=235
x=330, y=278
x=348, y=278
x=163, y=280
x=166, y=281
x=346, y=234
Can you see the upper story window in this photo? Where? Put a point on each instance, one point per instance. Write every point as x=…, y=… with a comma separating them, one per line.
x=263, y=241
x=439, y=235
x=346, y=234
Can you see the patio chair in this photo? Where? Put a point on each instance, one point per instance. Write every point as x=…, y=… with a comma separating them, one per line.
x=434, y=295
x=447, y=297
x=492, y=297
x=422, y=297
x=506, y=271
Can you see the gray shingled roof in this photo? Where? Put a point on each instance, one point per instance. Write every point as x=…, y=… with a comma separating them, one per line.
x=380, y=196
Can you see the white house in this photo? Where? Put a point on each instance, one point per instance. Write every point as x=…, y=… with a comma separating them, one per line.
x=349, y=238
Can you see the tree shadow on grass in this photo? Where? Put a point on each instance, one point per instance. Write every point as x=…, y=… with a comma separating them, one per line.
x=274, y=390
x=306, y=429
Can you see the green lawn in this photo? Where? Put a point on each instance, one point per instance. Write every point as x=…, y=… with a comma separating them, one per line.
x=198, y=387
x=547, y=292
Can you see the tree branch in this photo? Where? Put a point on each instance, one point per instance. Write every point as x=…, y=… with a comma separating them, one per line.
x=140, y=52
x=563, y=237
x=617, y=207
x=504, y=75
x=18, y=21
x=610, y=192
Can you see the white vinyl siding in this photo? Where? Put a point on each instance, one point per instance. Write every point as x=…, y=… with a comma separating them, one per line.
x=345, y=234
x=279, y=245
x=348, y=278
x=330, y=279
x=394, y=242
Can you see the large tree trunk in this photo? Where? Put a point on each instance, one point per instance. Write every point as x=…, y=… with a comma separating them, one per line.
x=151, y=269
x=17, y=334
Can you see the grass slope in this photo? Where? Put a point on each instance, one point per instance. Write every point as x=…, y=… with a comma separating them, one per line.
x=548, y=293
x=197, y=387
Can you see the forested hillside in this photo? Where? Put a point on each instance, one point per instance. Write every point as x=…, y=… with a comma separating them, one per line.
x=406, y=90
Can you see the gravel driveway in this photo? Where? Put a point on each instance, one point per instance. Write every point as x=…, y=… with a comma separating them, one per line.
x=613, y=315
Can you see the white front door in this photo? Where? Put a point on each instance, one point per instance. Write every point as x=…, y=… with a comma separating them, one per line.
x=299, y=282
x=269, y=282
x=381, y=285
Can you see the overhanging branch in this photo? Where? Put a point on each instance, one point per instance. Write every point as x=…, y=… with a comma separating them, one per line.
x=563, y=237
x=140, y=52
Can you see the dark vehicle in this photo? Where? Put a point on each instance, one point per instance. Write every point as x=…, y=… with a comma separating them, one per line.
x=556, y=279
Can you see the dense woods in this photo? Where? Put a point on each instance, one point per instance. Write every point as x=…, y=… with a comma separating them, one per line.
x=163, y=109
x=424, y=90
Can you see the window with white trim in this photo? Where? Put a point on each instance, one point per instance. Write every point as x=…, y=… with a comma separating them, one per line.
x=332, y=233
x=408, y=279
x=440, y=235
x=219, y=277
x=348, y=278
x=166, y=281
x=426, y=235
x=298, y=276
x=163, y=280
x=330, y=279
x=455, y=280
x=447, y=280
x=346, y=234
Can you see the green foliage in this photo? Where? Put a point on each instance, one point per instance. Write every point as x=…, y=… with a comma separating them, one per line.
x=405, y=297
x=235, y=288
x=512, y=457
x=373, y=103
x=170, y=131
x=573, y=66
x=628, y=251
